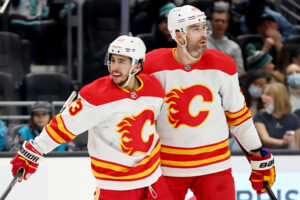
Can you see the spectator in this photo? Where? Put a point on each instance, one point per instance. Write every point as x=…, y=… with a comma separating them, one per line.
x=2, y=135
x=289, y=53
x=218, y=39
x=252, y=91
x=268, y=29
x=293, y=82
x=41, y=114
x=253, y=12
x=233, y=29
x=295, y=55
x=146, y=14
x=273, y=125
x=257, y=59
x=26, y=17
x=161, y=38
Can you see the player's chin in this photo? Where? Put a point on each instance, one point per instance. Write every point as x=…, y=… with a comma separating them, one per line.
x=203, y=48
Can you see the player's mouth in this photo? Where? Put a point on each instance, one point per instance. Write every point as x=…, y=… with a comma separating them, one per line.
x=203, y=42
x=116, y=75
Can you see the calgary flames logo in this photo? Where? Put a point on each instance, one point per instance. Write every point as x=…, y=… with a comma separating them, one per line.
x=131, y=128
x=179, y=101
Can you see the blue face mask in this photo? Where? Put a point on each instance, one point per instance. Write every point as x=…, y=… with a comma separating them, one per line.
x=294, y=80
x=254, y=91
x=270, y=109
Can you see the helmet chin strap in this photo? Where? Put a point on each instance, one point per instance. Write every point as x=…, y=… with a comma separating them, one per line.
x=184, y=49
x=130, y=76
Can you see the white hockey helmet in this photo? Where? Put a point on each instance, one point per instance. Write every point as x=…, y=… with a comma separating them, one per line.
x=132, y=47
x=180, y=18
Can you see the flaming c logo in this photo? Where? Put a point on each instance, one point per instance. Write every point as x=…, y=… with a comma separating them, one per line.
x=179, y=101
x=131, y=128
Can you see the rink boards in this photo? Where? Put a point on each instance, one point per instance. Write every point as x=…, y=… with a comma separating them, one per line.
x=61, y=178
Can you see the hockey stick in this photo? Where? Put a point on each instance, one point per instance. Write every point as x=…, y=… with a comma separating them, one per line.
x=2, y=9
x=69, y=100
x=21, y=170
x=269, y=191
x=12, y=183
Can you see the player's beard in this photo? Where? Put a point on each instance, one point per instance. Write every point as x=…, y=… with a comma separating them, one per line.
x=123, y=78
x=120, y=84
x=196, y=49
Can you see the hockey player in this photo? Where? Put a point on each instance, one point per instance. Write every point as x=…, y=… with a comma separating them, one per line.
x=202, y=99
x=119, y=111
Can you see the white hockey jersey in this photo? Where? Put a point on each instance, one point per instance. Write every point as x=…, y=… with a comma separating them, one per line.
x=201, y=101
x=122, y=142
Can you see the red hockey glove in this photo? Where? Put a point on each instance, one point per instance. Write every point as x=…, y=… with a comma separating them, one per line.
x=263, y=170
x=27, y=158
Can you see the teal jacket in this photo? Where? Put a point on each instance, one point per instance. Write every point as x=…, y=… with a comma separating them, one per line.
x=2, y=135
x=28, y=135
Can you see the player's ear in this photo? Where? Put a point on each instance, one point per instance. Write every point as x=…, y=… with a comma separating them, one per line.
x=137, y=67
x=179, y=37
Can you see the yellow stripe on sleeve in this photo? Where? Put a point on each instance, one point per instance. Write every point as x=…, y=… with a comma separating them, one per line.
x=53, y=134
x=239, y=120
x=62, y=128
x=236, y=115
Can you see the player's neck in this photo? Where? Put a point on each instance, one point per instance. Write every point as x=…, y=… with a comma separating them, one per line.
x=183, y=58
x=133, y=84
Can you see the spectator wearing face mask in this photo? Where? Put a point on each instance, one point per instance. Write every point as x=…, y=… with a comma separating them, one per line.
x=252, y=91
x=293, y=83
x=276, y=122
x=258, y=59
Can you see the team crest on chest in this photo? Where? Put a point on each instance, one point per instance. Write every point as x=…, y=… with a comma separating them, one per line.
x=132, y=131
x=180, y=100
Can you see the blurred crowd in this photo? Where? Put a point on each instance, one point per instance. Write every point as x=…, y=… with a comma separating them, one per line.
x=262, y=42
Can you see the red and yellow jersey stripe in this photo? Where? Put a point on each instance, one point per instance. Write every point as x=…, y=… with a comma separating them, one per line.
x=111, y=171
x=57, y=130
x=237, y=118
x=176, y=157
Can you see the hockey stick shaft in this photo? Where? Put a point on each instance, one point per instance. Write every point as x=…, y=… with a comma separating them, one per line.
x=269, y=191
x=12, y=183
x=69, y=100
x=4, y=6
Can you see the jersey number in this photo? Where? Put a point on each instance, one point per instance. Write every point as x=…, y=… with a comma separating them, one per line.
x=75, y=107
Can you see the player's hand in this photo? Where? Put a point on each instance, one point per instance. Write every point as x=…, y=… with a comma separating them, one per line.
x=263, y=170
x=27, y=158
